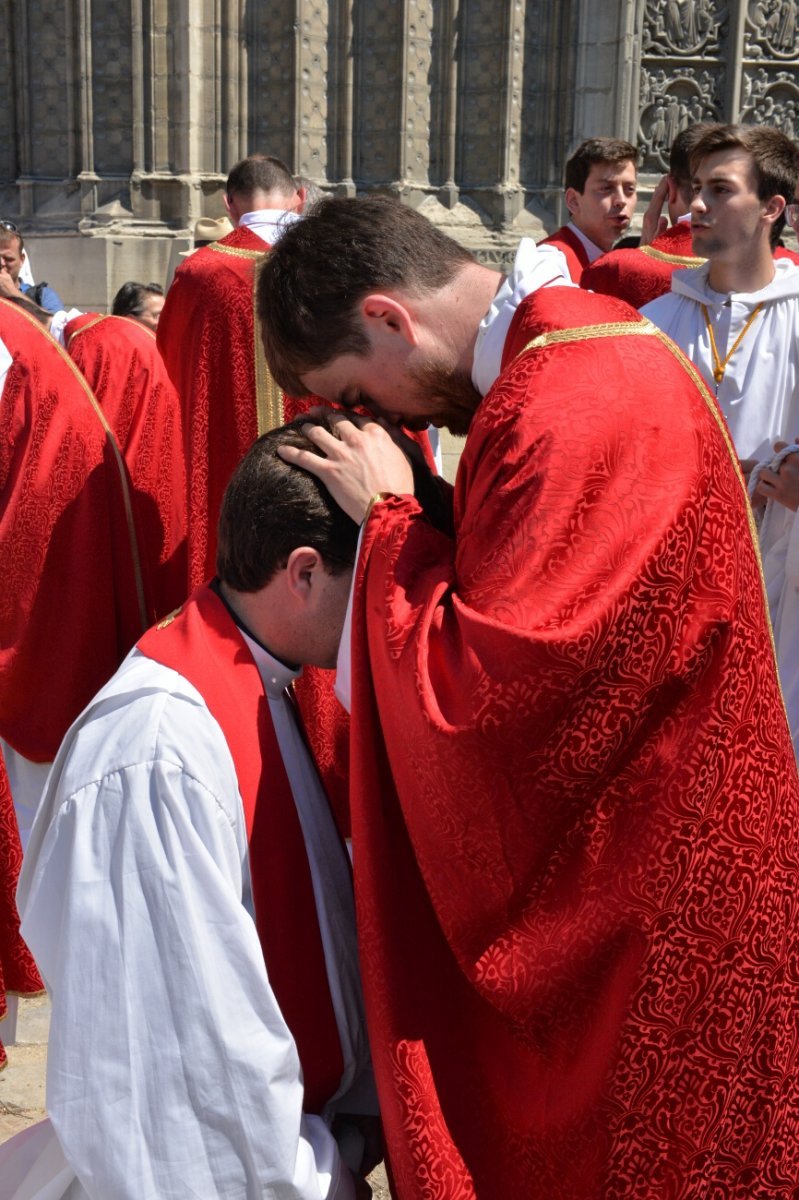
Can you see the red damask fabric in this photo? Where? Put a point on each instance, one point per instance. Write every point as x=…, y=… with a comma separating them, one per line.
x=578, y=899
x=208, y=338
x=121, y=363
x=640, y=274
x=572, y=248
x=17, y=969
x=72, y=602
x=206, y=335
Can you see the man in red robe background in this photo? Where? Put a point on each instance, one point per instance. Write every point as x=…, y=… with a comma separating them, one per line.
x=574, y=797
x=639, y=274
x=74, y=598
x=601, y=192
x=120, y=361
x=212, y=349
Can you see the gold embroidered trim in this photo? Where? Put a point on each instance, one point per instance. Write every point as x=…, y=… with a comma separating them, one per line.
x=170, y=617
x=700, y=382
x=559, y=337
x=269, y=408
x=89, y=325
x=564, y=336
x=237, y=252
x=121, y=468
x=680, y=260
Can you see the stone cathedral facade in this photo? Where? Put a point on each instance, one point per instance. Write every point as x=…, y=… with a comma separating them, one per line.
x=122, y=117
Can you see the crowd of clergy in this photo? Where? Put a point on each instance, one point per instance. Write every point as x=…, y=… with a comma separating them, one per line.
x=349, y=816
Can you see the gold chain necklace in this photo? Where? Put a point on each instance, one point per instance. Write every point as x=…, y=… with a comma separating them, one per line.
x=720, y=367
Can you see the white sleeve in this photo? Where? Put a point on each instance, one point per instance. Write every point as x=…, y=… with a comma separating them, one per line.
x=171, y=1072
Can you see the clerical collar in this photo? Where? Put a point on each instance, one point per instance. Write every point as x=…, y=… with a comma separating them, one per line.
x=276, y=675
x=592, y=250
x=268, y=223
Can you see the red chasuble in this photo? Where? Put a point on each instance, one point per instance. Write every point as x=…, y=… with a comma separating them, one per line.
x=18, y=972
x=72, y=601
x=640, y=274
x=202, y=643
x=578, y=901
x=121, y=363
x=570, y=245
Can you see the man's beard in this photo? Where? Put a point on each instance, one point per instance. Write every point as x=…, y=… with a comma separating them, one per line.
x=451, y=397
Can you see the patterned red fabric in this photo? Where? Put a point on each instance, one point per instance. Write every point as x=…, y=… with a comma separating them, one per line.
x=212, y=350
x=121, y=363
x=640, y=274
x=72, y=601
x=571, y=246
x=202, y=643
x=17, y=969
x=208, y=338
x=577, y=901
x=206, y=335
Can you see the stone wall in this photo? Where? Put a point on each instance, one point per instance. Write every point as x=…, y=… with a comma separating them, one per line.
x=124, y=116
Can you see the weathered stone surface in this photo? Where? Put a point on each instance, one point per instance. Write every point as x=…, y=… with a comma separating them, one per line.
x=123, y=119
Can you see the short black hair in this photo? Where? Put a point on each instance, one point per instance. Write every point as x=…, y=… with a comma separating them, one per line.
x=260, y=173
x=129, y=300
x=270, y=508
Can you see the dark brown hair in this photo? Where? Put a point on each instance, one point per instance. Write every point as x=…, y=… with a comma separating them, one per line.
x=682, y=149
x=260, y=173
x=775, y=160
x=596, y=150
x=270, y=508
x=311, y=284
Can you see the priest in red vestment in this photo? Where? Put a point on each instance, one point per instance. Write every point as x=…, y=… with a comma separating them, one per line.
x=212, y=350
x=600, y=195
x=74, y=598
x=120, y=361
x=575, y=806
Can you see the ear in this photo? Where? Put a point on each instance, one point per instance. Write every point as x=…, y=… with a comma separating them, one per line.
x=301, y=198
x=386, y=315
x=572, y=199
x=302, y=575
x=774, y=208
x=230, y=209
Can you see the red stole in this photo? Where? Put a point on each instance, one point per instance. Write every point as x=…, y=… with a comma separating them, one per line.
x=202, y=643
x=572, y=248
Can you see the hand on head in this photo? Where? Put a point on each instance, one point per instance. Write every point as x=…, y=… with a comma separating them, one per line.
x=361, y=458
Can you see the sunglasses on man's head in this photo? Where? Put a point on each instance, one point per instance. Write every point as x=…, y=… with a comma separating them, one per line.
x=8, y=225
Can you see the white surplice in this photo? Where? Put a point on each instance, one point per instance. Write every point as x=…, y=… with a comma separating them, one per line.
x=171, y=1072
x=759, y=393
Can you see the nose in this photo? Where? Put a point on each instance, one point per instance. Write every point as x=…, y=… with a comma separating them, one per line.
x=698, y=203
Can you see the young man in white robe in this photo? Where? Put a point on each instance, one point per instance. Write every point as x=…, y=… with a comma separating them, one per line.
x=737, y=319
x=188, y=898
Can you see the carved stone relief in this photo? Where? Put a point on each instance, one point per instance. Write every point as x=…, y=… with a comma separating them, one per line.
x=693, y=68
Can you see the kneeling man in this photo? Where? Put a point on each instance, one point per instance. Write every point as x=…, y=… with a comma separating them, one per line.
x=186, y=893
